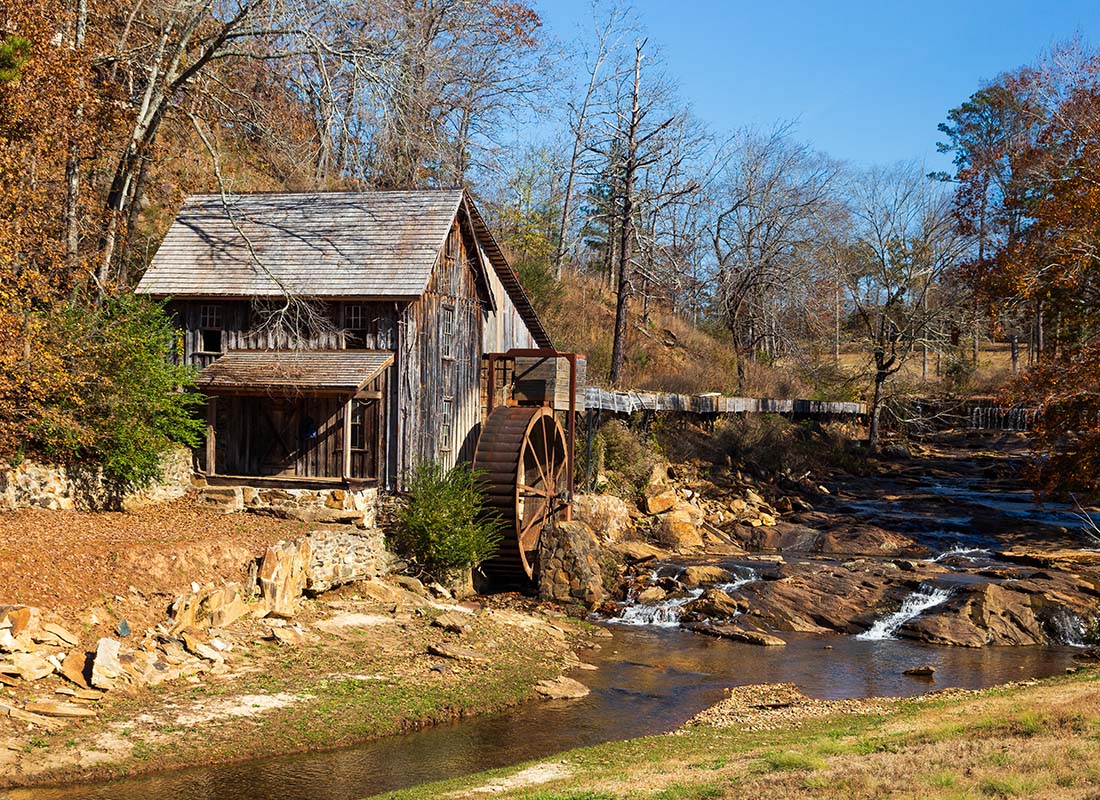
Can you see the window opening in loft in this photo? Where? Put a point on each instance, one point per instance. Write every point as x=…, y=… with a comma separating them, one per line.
x=450, y=258
x=356, y=327
x=447, y=332
x=211, y=325
x=446, y=416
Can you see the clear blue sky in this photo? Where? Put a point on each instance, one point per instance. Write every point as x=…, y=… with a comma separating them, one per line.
x=867, y=81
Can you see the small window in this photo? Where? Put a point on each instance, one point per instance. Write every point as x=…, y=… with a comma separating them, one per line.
x=357, y=327
x=447, y=332
x=358, y=426
x=450, y=259
x=210, y=317
x=211, y=324
x=445, y=418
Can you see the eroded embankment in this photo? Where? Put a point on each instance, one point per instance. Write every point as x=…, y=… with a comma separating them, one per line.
x=225, y=674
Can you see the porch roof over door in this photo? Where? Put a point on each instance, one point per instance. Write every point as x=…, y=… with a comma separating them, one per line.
x=338, y=371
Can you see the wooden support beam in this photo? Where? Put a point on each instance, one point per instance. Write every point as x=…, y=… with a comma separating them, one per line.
x=346, y=461
x=211, y=444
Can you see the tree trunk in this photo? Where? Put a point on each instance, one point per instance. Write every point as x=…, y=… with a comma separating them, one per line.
x=1015, y=354
x=626, y=245
x=875, y=411
x=72, y=163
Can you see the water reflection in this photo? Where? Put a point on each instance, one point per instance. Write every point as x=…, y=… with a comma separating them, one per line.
x=649, y=681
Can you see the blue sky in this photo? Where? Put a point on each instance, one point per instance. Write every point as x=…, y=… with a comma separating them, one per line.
x=867, y=82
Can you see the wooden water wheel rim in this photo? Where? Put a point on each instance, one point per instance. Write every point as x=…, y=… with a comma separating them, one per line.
x=523, y=454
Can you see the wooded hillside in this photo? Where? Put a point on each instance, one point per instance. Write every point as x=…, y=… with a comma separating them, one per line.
x=635, y=226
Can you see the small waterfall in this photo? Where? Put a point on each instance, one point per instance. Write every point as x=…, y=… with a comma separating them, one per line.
x=914, y=605
x=965, y=552
x=1065, y=628
x=665, y=614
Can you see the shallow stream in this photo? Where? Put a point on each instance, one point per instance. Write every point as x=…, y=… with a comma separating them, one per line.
x=650, y=680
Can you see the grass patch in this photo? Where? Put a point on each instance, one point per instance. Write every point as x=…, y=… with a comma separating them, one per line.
x=783, y=760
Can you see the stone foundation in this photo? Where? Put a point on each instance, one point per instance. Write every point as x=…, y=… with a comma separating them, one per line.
x=316, y=563
x=52, y=486
x=569, y=565
x=332, y=506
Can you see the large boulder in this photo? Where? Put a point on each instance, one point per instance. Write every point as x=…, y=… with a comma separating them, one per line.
x=282, y=576
x=679, y=528
x=609, y=516
x=702, y=574
x=716, y=604
x=659, y=498
x=569, y=565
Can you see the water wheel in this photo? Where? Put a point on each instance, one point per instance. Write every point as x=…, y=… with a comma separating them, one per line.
x=522, y=453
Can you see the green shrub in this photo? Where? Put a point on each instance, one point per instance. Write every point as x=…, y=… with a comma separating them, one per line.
x=444, y=527
x=122, y=403
x=625, y=455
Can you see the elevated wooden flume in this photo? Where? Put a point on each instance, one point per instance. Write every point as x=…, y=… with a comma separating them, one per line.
x=527, y=456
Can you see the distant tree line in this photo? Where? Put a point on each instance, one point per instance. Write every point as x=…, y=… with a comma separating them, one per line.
x=589, y=162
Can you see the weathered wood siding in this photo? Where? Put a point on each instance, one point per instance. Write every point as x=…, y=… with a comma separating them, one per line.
x=439, y=362
x=505, y=328
x=298, y=436
x=239, y=328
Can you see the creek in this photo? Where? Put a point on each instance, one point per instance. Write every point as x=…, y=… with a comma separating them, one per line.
x=650, y=680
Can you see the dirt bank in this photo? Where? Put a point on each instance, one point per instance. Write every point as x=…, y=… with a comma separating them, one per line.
x=368, y=660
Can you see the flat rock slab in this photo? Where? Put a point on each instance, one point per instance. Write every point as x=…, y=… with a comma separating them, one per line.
x=562, y=689
x=75, y=667
x=51, y=709
x=452, y=621
x=457, y=652
x=342, y=622
x=738, y=634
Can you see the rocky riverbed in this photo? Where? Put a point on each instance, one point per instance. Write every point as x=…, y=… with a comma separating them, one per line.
x=942, y=546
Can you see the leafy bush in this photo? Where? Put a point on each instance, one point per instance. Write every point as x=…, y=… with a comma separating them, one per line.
x=623, y=455
x=99, y=391
x=444, y=526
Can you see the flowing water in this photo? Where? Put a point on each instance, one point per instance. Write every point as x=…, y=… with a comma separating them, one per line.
x=913, y=606
x=650, y=680
x=667, y=612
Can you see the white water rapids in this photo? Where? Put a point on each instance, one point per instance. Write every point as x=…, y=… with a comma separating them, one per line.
x=667, y=612
x=914, y=605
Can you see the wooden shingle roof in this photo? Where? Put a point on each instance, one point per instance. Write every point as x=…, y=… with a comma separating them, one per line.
x=323, y=370
x=370, y=245
x=329, y=244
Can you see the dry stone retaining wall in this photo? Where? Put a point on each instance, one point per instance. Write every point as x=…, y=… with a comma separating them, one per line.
x=52, y=486
x=331, y=506
x=569, y=565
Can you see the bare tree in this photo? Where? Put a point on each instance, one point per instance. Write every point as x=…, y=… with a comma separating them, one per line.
x=763, y=233
x=607, y=38
x=903, y=241
x=164, y=52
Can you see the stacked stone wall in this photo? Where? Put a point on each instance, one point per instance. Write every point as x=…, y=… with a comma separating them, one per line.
x=31, y=484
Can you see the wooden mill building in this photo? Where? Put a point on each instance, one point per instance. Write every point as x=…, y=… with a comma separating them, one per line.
x=340, y=335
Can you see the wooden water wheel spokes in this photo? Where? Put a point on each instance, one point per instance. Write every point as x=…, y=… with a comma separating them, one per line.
x=522, y=452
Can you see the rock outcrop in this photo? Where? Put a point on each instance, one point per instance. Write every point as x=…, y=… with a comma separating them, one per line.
x=610, y=517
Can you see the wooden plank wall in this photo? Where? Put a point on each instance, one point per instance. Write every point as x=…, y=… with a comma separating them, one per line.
x=427, y=377
x=486, y=320
x=239, y=320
